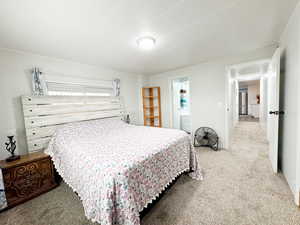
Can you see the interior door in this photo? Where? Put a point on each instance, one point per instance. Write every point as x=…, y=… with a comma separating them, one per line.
x=274, y=112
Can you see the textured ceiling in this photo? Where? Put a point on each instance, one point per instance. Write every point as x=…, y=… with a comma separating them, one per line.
x=104, y=32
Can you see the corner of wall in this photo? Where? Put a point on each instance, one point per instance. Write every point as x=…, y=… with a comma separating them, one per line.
x=297, y=198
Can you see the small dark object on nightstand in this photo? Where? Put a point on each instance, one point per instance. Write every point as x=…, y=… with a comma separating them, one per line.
x=11, y=147
x=127, y=119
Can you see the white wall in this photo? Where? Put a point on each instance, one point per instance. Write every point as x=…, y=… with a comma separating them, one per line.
x=15, y=80
x=232, y=107
x=207, y=87
x=253, y=107
x=290, y=97
x=253, y=91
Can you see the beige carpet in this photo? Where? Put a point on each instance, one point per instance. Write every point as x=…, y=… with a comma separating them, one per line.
x=239, y=189
x=247, y=118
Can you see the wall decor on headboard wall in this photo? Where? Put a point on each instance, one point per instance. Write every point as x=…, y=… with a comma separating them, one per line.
x=38, y=83
x=45, y=83
x=43, y=114
x=116, y=87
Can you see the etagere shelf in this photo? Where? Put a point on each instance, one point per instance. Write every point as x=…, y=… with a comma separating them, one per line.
x=151, y=106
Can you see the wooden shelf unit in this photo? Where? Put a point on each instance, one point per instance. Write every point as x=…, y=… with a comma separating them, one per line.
x=151, y=106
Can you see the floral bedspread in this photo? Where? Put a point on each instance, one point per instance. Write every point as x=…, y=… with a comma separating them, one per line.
x=118, y=169
x=3, y=202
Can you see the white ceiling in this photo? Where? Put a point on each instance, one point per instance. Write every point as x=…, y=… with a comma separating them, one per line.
x=104, y=32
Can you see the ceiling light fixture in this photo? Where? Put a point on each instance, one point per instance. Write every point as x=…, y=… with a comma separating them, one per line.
x=146, y=43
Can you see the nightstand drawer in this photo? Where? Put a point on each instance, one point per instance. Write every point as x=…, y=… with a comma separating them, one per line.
x=27, y=180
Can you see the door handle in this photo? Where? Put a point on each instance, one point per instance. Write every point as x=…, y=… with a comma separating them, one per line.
x=276, y=112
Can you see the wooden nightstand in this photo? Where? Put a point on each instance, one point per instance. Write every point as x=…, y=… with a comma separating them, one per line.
x=25, y=178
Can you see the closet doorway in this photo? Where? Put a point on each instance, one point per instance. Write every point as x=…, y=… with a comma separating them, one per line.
x=181, y=114
x=249, y=100
x=243, y=101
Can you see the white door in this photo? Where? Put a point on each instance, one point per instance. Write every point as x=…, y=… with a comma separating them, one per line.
x=274, y=111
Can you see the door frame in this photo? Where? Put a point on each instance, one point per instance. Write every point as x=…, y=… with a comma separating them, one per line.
x=228, y=78
x=228, y=108
x=170, y=83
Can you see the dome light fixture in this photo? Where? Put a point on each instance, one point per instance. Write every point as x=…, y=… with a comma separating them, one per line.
x=146, y=43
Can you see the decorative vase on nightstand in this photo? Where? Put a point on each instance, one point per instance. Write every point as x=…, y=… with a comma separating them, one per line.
x=127, y=119
x=11, y=147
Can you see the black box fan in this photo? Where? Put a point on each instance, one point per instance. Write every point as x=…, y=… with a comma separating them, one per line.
x=205, y=136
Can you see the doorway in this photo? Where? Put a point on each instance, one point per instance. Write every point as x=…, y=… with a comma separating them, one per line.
x=181, y=113
x=246, y=95
x=249, y=100
x=268, y=74
x=243, y=101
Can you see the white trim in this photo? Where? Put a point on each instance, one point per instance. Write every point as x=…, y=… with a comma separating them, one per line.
x=170, y=80
x=250, y=76
x=227, y=109
x=249, y=63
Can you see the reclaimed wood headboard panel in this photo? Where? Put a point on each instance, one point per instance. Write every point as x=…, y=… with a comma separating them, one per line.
x=43, y=114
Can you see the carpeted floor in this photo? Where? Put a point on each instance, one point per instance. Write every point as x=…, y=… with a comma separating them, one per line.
x=239, y=189
x=247, y=118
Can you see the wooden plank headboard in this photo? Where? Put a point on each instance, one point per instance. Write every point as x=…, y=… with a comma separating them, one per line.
x=43, y=114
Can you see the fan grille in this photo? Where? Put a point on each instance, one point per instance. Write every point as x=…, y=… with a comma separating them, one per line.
x=206, y=136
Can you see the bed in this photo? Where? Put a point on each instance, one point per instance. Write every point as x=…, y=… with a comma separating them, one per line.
x=116, y=169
